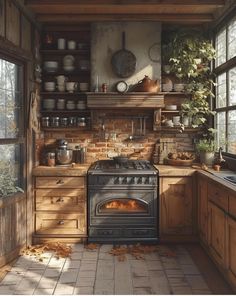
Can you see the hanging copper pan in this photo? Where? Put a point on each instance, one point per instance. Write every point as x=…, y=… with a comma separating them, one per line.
x=123, y=61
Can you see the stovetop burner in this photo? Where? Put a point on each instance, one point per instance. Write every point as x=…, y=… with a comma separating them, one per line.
x=130, y=166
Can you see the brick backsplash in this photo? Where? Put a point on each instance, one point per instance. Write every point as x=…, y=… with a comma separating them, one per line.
x=115, y=140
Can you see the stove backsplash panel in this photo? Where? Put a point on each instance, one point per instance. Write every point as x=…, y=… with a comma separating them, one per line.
x=110, y=135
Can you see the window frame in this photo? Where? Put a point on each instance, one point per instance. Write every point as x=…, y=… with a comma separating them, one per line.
x=221, y=69
x=21, y=138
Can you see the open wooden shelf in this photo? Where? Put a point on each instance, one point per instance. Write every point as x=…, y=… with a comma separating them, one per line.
x=86, y=111
x=66, y=51
x=64, y=129
x=176, y=129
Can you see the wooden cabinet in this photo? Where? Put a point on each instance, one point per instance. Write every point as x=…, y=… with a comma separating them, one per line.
x=202, y=209
x=217, y=233
x=231, y=250
x=217, y=225
x=217, y=209
x=60, y=208
x=177, y=205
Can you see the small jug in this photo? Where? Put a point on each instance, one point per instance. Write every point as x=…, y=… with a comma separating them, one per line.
x=61, y=79
x=71, y=86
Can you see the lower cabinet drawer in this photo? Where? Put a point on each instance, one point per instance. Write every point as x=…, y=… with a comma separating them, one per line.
x=60, y=200
x=60, y=182
x=51, y=223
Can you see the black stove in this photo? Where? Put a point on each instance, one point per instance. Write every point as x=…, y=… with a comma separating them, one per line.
x=123, y=201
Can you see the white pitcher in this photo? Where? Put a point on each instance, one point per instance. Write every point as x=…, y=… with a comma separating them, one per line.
x=61, y=79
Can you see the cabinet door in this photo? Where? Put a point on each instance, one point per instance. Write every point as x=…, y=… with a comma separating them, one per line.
x=217, y=233
x=231, y=250
x=202, y=210
x=176, y=202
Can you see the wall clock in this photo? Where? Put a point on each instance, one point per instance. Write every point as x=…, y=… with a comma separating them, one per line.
x=121, y=86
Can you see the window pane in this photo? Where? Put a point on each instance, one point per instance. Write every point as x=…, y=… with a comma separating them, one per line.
x=9, y=99
x=232, y=39
x=221, y=48
x=221, y=129
x=232, y=87
x=232, y=132
x=10, y=169
x=221, y=91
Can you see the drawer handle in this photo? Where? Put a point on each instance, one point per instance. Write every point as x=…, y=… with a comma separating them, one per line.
x=60, y=182
x=60, y=199
x=61, y=222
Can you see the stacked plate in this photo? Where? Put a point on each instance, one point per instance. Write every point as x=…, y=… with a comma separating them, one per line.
x=81, y=105
x=51, y=66
x=48, y=104
x=68, y=63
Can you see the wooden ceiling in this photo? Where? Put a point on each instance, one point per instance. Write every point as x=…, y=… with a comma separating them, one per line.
x=169, y=11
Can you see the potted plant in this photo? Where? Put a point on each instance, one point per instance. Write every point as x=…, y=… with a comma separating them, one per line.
x=206, y=150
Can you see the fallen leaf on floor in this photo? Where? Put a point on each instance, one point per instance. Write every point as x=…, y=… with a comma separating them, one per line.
x=91, y=246
x=121, y=258
x=61, y=250
x=137, y=251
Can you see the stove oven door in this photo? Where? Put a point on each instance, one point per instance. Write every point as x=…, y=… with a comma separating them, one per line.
x=122, y=207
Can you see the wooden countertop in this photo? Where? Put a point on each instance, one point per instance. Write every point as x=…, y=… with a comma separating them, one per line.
x=81, y=170
x=170, y=170
x=218, y=177
x=164, y=171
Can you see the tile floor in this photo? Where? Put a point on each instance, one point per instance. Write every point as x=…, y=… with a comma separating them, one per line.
x=98, y=272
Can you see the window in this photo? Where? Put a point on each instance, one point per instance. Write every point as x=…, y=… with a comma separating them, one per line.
x=225, y=69
x=11, y=126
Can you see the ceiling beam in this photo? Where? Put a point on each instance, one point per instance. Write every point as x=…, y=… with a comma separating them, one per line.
x=120, y=9
x=129, y=2
x=170, y=18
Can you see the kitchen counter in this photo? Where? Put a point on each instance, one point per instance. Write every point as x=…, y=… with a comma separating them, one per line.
x=81, y=170
x=164, y=171
x=75, y=171
x=218, y=177
x=169, y=170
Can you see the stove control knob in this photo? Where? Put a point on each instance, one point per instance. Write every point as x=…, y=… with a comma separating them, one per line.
x=140, y=180
x=146, y=181
x=132, y=180
x=124, y=181
x=117, y=180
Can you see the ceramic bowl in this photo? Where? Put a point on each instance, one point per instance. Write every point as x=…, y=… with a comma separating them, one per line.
x=171, y=107
x=179, y=87
x=48, y=104
x=50, y=66
x=69, y=68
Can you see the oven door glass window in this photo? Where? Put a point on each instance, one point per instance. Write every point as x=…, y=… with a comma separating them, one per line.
x=123, y=205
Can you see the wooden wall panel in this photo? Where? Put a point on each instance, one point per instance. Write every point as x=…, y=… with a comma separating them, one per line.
x=12, y=228
x=25, y=33
x=2, y=18
x=12, y=23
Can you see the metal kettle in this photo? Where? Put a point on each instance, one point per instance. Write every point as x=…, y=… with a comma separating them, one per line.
x=147, y=85
x=63, y=154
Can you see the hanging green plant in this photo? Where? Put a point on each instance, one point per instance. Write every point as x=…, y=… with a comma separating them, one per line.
x=189, y=55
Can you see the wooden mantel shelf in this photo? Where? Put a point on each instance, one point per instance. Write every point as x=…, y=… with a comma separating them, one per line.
x=126, y=100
